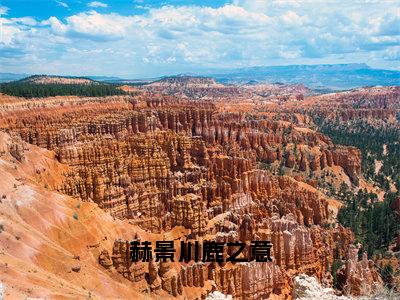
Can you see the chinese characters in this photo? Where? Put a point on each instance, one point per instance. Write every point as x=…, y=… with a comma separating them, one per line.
x=207, y=251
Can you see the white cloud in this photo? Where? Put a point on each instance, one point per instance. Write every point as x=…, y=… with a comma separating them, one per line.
x=63, y=4
x=92, y=25
x=29, y=21
x=392, y=53
x=8, y=32
x=293, y=19
x=56, y=25
x=97, y=4
x=170, y=39
x=390, y=24
x=3, y=10
x=290, y=53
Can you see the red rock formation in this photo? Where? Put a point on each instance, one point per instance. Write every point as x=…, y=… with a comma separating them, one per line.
x=358, y=277
x=162, y=162
x=350, y=160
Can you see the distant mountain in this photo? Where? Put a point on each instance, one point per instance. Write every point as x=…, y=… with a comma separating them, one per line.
x=339, y=76
x=7, y=77
x=38, y=86
x=51, y=79
x=321, y=77
x=185, y=80
x=105, y=78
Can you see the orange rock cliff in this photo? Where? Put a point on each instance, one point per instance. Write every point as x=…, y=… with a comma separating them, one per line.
x=81, y=177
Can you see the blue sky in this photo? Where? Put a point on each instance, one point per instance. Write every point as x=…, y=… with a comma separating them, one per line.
x=143, y=38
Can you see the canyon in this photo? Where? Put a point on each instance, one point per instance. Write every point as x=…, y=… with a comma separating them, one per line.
x=183, y=160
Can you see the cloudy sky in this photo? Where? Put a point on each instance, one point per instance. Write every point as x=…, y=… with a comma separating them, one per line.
x=146, y=38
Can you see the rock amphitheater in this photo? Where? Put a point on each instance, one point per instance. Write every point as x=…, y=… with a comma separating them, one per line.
x=81, y=177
